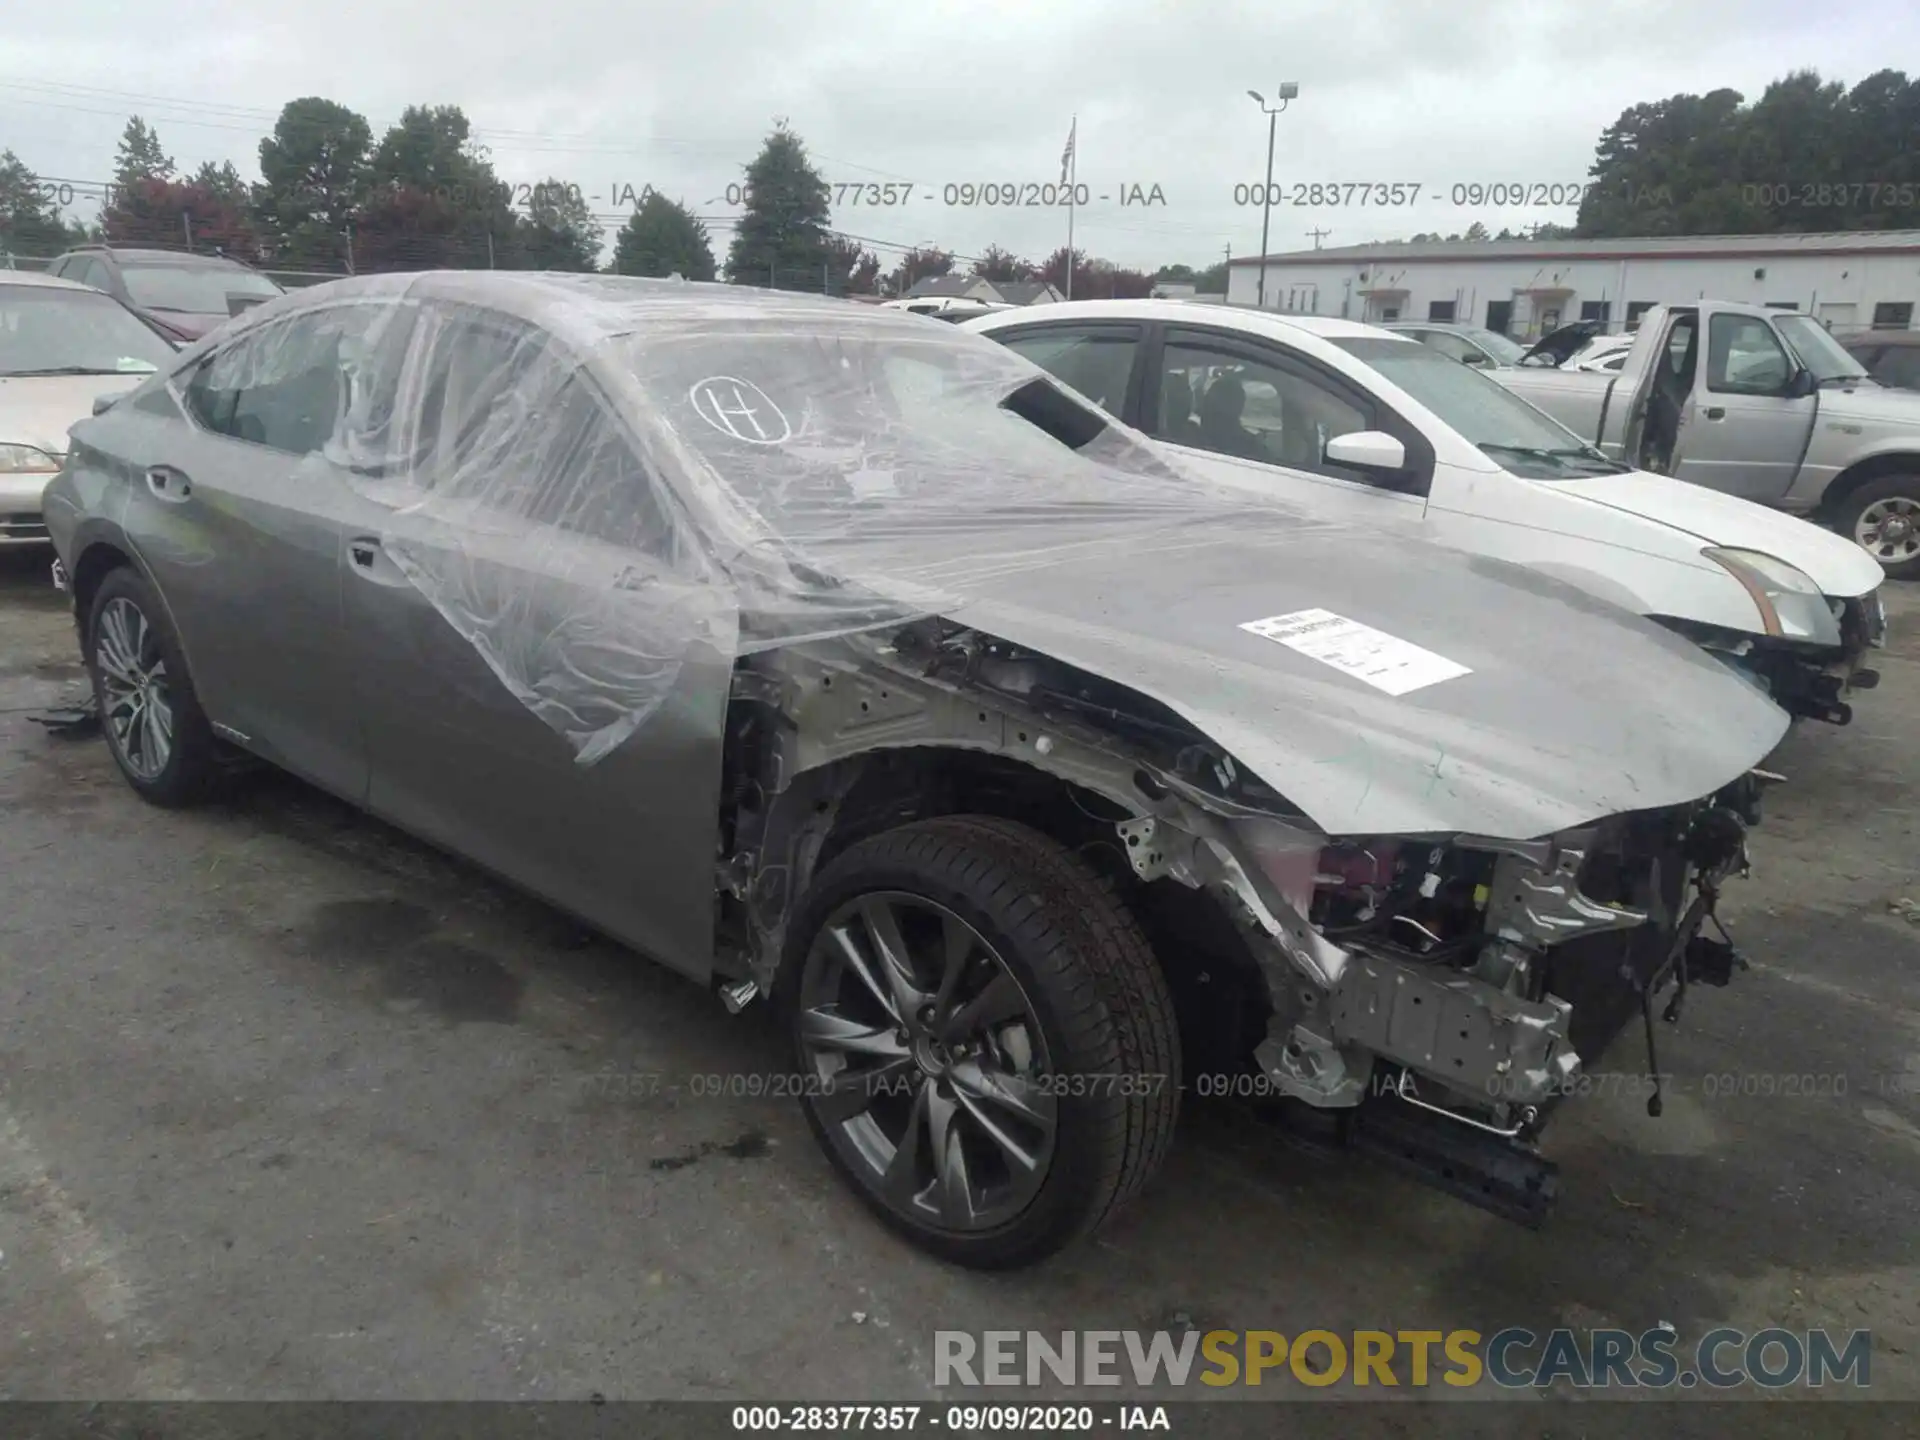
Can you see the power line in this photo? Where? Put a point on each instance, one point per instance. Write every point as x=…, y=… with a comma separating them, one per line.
x=262, y=122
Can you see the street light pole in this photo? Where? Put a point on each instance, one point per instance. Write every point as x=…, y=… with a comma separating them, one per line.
x=1288, y=89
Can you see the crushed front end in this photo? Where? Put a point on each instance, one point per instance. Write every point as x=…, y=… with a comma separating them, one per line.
x=1444, y=994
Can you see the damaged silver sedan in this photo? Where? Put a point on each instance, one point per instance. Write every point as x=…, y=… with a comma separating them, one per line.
x=851, y=662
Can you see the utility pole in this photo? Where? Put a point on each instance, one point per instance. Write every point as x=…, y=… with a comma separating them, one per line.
x=1288, y=89
x=1318, y=236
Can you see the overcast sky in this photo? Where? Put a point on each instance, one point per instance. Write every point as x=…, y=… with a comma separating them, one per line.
x=609, y=94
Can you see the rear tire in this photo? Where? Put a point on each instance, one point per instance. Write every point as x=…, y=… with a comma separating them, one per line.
x=1865, y=516
x=1055, y=945
x=155, y=729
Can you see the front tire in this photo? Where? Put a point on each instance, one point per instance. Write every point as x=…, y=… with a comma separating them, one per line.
x=1882, y=517
x=986, y=1042
x=155, y=729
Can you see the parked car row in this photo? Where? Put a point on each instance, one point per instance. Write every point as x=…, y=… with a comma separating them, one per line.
x=1036, y=718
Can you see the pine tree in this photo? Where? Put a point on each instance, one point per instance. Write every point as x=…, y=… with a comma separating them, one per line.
x=663, y=237
x=782, y=236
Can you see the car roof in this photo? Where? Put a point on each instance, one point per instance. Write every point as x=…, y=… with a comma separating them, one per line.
x=148, y=256
x=1271, y=324
x=36, y=277
x=585, y=310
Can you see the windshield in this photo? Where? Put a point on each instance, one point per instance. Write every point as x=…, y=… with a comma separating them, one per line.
x=1514, y=434
x=1817, y=350
x=51, y=329
x=1496, y=345
x=193, y=289
x=816, y=425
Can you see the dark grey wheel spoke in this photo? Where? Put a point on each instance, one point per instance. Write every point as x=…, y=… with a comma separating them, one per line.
x=985, y=1085
x=883, y=926
x=900, y=1183
x=857, y=962
x=851, y=1093
x=957, y=947
x=953, y=1187
x=998, y=1003
x=829, y=1031
x=990, y=1099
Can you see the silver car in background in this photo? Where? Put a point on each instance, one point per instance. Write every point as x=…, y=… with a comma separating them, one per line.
x=826, y=655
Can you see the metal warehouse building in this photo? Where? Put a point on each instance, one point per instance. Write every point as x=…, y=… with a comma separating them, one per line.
x=1524, y=288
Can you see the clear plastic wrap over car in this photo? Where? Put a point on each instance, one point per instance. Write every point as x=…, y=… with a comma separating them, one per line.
x=779, y=475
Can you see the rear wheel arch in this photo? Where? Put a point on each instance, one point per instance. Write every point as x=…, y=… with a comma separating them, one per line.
x=90, y=568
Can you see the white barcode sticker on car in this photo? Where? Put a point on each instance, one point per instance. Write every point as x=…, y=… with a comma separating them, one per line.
x=1384, y=661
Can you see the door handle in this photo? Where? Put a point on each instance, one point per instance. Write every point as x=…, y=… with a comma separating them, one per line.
x=363, y=552
x=169, y=484
x=1717, y=412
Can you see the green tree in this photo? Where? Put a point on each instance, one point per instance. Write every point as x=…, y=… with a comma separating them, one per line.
x=429, y=171
x=140, y=156
x=852, y=269
x=663, y=237
x=918, y=265
x=997, y=264
x=1808, y=154
x=30, y=219
x=558, y=232
x=314, y=178
x=1212, y=280
x=782, y=234
x=223, y=182
x=1175, y=274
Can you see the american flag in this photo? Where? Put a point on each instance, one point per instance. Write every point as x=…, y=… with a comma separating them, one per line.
x=1066, y=155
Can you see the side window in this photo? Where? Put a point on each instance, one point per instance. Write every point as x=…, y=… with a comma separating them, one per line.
x=1679, y=367
x=1253, y=409
x=477, y=376
x=1454, y=347
x=1745, y=357
x=508, y=420
x=288, y=385
x=1899, y=365
x=88, y=271
x=1097, y=362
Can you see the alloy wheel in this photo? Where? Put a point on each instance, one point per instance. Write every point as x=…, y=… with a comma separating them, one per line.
x=138, y=703
x=929, y=1066
x=1889, y=529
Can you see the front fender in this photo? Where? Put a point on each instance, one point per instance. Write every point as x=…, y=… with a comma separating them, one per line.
x=1678, y=592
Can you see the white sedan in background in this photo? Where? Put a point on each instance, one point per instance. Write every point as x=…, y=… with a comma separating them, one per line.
x=62, y=346
x=1378, y=429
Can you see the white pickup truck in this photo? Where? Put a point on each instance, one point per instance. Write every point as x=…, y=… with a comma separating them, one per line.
x=1769, y=408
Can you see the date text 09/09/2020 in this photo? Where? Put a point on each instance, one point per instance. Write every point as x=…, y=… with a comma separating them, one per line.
x=1317, y=194
x=977, y=194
